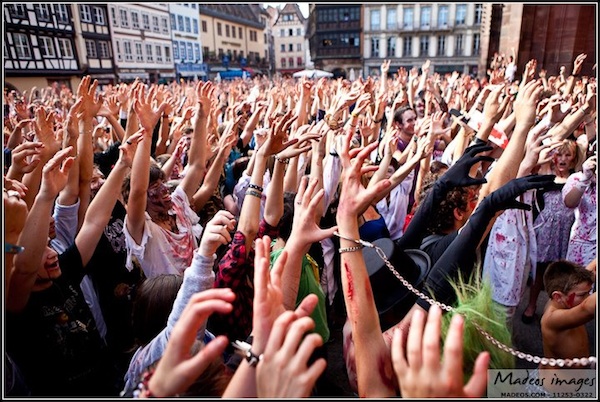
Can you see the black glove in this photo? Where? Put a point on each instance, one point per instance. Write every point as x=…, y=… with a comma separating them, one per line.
x=458, y=174
x=505, y=197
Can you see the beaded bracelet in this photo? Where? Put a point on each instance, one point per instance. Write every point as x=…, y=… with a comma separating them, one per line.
x=350, y=249
x=143, y=390
x=254, y=186
x=254, y=193
x=280, y=160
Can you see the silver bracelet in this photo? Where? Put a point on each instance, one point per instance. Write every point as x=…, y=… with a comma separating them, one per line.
x=350, y=249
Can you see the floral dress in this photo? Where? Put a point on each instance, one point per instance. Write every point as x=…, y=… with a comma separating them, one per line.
x=553, y=227
x=582, y=242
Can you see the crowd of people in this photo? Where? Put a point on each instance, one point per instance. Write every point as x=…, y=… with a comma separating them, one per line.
x=204, y=239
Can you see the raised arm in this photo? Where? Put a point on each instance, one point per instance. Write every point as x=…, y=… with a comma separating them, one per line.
x=100, y=209
x=198, y=148
x=140, y=168
x=373, y=361
x=34, y=237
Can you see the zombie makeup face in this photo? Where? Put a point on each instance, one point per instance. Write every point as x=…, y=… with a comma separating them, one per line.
x=159, y=199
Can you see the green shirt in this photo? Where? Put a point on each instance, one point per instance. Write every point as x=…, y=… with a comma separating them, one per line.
x=309, y=283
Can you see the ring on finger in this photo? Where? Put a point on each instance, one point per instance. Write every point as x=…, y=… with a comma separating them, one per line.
x=13, y=193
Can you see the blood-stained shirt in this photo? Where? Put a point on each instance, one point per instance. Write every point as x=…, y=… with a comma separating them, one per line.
x=162, y=251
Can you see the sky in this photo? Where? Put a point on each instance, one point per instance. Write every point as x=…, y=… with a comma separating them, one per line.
x=303, y=7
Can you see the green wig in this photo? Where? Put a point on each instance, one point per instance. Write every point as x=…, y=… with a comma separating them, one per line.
x=475, y=304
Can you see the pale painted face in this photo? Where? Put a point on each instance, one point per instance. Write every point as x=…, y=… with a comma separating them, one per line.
x=563, y=161
x=159, y=198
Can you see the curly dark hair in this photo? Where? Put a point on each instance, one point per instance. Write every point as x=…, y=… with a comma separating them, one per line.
x=442, y=218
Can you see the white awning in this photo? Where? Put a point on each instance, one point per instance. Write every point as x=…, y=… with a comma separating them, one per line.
x=192, y=73
x=133, y=76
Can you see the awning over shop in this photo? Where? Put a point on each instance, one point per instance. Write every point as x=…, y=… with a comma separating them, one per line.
x=133, y=76
x=231, y=74
x=192, y=73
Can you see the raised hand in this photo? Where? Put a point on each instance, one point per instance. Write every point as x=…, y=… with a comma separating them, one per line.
x=505, y=197
x=129, y=147
x=55, y=174
x=216, y=233
x=284, y=370
x=419, y=367
x=25, y=158
x=458, y=174
x=178, y=368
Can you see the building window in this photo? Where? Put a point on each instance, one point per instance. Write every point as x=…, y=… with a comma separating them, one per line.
x=62, y=14
x=407, y=47
x=86, y=13
x=113, y=16
x=424, y=46
x=182, y=51
x=43, y=12
x=197, y=55
x=146, y=21
x=291, y=32
x=204, y=26
x=459, y=45
x=425, y=17
x=282, y=33
x=392, y=18
x=188, y=24
x=180, y=23
x=135, y=20
x=299, y=61
x=375, y=20
x=176, y=50
x=291, y=60
x=227, y=33
x=443, y=16
x=391, y=46
x=66, y=48
x=408, y=17
x=233, y=32
x=139, y=52
x=149, y=56
x=167, y=54
x=119, y=53
x=283, y=63
x=299, y=31
x=99, y=16
x=90, y=49
x=165, y=25
x=291, y=47
x=283, y=48
x=476, y=44
x=441, y=45
x=46, y=46
x=461, y=14
x=124, y=19
x=190, y=51
x=17, y=10
x=240, y=32
x=299, y=47
x=374, y=47
x=253, y=36
x=127, y=50
x=155, y=27
x=158, y=49
x=219, y=29
x=104, y=49
x=478, y=13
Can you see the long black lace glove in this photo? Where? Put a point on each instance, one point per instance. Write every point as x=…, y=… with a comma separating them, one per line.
x=456, y=176
x=461, y=254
